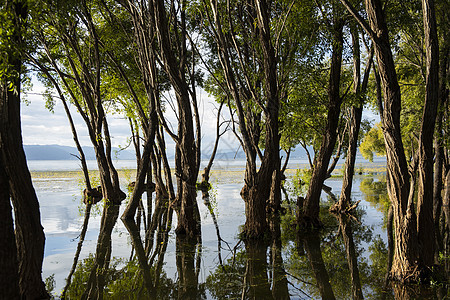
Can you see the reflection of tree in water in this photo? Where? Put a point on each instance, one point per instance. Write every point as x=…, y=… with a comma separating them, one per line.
x=321, y=264
x=96, y=281
x=188, y=258
x=255, y=271
x=375, y=192
x=100, y=276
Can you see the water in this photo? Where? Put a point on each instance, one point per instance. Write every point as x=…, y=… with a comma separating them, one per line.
x=290, y=265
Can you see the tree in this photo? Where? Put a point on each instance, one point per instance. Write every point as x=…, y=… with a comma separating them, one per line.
x=16, y=181
x=309, y=212
x=71, y=51
x=410, y=260
x=354, y=121
x=251, y=56
x=171, y=28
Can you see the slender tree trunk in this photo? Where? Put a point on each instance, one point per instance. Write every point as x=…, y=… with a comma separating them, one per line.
x=425, y=221
x=187, y=147
x=400, y=189
x=207, y=170
x=355, y=123
x=311, y=205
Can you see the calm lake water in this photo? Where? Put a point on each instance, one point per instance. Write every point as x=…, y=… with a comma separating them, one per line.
x=286, y=265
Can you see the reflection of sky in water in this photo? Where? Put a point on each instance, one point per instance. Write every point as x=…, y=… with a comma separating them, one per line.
x=60, y=200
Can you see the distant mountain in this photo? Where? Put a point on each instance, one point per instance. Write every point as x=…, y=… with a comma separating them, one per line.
x=58, y=152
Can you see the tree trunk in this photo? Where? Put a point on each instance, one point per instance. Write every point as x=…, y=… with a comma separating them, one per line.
x=355, y=123
x=29, y=233
x=9, y=275
x=425, y=220
x=311, y=205
x=187, y=147
x=406, y=251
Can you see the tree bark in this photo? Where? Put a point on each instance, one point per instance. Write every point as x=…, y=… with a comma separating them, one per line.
x=399, y=187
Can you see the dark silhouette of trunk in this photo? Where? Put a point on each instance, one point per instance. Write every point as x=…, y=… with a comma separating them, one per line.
x=309, y=216
x=9, y=275
x=142, y=171
x=355, y=123
x=29, y=233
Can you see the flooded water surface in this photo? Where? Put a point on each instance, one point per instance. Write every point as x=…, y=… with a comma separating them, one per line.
x=346, y=260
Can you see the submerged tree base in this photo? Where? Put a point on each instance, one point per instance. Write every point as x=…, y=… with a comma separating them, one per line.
x=343, y=207
x=306, y=223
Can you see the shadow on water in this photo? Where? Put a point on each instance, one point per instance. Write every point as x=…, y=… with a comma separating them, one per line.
x=346, y=260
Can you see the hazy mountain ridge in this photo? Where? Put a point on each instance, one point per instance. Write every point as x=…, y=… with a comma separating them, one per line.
x=58, y=152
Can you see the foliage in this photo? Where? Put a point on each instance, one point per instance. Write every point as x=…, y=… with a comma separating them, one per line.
x=50, y=283
x=300, y=181
x=373, y=142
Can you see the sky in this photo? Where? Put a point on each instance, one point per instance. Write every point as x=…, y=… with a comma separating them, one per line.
x=41, y=127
